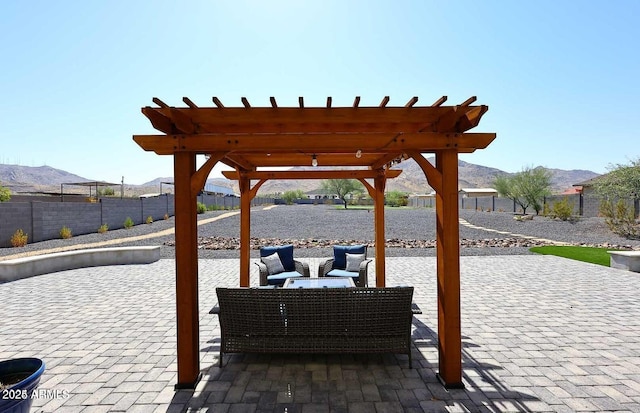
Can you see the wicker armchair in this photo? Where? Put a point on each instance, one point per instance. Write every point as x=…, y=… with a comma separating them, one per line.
x=338, y=266
x=289, y=268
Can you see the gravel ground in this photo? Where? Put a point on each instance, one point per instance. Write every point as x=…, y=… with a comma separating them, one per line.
x=321, y=222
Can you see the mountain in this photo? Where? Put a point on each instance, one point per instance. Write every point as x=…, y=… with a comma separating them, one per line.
x=27, y=179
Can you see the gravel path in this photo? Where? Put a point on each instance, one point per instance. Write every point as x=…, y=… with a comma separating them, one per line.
x=321, y=222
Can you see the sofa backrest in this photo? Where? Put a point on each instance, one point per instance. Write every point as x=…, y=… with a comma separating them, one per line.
x=321, y=311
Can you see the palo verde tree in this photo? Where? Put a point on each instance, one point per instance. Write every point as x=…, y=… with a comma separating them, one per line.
x=342, y=187
x=622, y=182
x=526, y=188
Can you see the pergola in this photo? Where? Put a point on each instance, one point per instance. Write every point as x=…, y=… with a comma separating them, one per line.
x=359, y=142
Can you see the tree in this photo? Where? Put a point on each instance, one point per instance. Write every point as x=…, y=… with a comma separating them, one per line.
x=342, y=188
x=290, y=196
x=5, y=194
x=526, y=188
x=622, y=182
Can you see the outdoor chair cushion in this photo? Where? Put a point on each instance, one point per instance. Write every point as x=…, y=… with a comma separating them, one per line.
x=340, y=252
x=344, y=273
x=279, y=279
x=285, y=252
x=273, y=263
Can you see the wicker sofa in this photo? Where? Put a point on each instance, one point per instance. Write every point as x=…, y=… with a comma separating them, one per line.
x=315, y=320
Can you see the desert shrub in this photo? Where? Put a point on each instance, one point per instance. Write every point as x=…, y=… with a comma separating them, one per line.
x=166, y=216
x=19, y=238
x=103, y=228
x=65, y=232
x=149, y=219
x=620, y=219
x=546, y=211
x=562, y=210
x=201, y=208
x=128, y=223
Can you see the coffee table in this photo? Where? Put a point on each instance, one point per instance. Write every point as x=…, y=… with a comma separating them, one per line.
x=324, y=282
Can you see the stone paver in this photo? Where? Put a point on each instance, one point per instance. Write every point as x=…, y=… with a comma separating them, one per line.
x=540, y=333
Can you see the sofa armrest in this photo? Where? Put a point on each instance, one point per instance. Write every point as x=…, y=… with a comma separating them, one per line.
x=363, y=275
x=262, y=268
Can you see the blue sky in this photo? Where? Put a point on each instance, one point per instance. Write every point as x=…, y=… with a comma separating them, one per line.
x=561, y=78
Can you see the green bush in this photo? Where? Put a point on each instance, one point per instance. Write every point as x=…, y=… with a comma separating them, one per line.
x=19, y=238
x=562, y=210
x=65, y=232
x=128, y=223
x=5, y=194
x=149, y=219
x=103, y=228
x=620, y=219
x=201, y=208
x=396, y=198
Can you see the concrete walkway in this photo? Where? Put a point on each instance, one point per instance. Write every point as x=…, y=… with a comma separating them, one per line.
x=540, y=334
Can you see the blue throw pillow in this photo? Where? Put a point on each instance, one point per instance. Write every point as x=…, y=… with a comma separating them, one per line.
x=285, y=252
x=340, y=251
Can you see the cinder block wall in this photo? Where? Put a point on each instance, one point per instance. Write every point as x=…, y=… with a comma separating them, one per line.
x=14, y=216
x=50, y=217
x=44, y=220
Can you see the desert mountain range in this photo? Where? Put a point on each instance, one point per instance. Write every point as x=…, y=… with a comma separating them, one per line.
x=27, y=179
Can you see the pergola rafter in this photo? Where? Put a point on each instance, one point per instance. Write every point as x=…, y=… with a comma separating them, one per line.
x=358, y=142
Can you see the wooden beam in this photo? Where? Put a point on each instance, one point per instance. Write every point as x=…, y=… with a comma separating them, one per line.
x=274, y=104
x=245, y=102
x=384, y=102
x=439, y=102
x=158, y=120
x=301, y=102
x=448, y=271
x=356, y=102
x=313, y=174
x=434, y=177
x=217, y=102
x=189, y=103
x=370, y=189
x=159, y=103
x=320, y=119
x=238, y=161
x=469, y=101
x=384, y=160
x=329, y=102
x=186, y=237
x=315, y=143
x=411, y=102
x=183, y=122
x=199, y=178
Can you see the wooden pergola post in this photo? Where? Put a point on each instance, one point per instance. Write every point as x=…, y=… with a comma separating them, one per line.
x=188, y=323
x=380, y=241
x=448, y=271
x=245, y=229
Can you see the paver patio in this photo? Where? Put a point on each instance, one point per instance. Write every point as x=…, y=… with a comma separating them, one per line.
x=540, y=333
